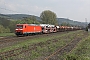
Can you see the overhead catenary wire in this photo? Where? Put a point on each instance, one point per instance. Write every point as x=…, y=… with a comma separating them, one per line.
x=9, y=10
x=13, y=11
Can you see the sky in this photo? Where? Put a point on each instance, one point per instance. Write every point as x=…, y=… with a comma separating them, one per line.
x=77, y=10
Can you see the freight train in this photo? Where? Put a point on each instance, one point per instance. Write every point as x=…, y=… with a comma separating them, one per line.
x=31, y=29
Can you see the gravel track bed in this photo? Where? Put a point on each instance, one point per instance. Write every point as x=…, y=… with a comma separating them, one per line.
x=66, y=49
x=9, y=41
x=34, y=46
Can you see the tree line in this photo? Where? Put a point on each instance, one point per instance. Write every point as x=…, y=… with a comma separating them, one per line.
x=47, y=17
x=8, y=25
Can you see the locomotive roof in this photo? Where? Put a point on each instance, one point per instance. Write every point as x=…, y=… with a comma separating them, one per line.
x=28, y=24
x=43, y=25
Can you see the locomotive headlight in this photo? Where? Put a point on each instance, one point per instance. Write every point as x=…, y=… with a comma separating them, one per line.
x=19, y=29
x=16, y=29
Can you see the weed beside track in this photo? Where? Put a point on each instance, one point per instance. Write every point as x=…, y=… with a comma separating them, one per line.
x=81, y=51
x=41, y=50
x=12, y=40
x=67, y=48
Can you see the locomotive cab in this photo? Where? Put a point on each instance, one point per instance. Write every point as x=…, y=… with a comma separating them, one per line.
x=19, y=29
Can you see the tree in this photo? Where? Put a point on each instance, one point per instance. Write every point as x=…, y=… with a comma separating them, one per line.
x=4, y=21
x=29, y=20
x=4, y=30
x=89, y=25
x=12, y=26
x=33, y=19
x=48, y=17
x=65, y=24
x=1, y=29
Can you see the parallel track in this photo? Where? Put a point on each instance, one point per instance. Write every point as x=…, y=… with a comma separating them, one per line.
x=9, y=41
x=65, y=49
x=11, y=53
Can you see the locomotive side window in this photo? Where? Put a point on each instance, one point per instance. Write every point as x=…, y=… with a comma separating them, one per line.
x=25, y=26
x=19, y=26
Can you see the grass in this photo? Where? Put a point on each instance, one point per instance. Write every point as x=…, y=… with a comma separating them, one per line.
x=42, y=51
x=81, y=52
x=48, y=48
x=32, y=41
x=6, y=34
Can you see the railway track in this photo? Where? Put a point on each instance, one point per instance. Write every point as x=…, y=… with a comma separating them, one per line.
x=65, y=49
x=9, y=41
x=31, y=47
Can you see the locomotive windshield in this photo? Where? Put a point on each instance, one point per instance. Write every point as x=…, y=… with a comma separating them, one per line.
x=19, y=26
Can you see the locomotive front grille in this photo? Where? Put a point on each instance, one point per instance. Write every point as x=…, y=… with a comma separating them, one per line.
x=19, y=33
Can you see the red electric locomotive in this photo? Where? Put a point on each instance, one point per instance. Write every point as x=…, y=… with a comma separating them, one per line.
x=27, y=29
